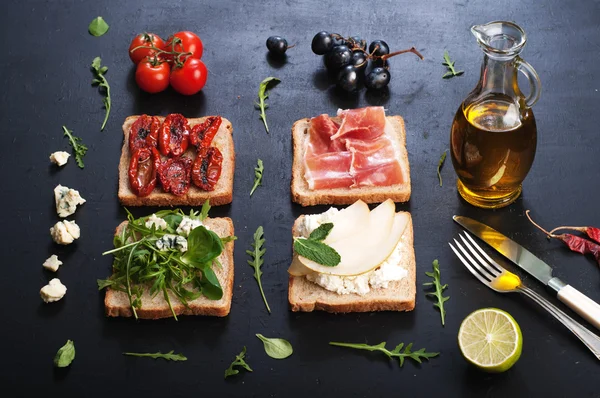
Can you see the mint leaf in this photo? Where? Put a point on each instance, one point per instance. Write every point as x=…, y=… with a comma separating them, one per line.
x=317, y=251
x=321, y=232
x=98, y=27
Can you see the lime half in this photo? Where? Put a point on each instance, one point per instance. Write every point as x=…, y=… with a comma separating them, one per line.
x=490, y=339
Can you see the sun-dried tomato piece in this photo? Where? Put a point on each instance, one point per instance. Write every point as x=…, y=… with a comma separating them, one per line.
x=174, y=135
x=202, y=134
x=144, y=132
x=207, y=168
x=174, y=175
x=143, y=167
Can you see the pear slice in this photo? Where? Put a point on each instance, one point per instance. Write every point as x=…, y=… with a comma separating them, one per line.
x=379, y=225
x=360, y=252
x=347, y=220
x=297, y=268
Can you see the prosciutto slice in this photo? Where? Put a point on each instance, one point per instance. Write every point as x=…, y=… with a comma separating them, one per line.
x=365, y=123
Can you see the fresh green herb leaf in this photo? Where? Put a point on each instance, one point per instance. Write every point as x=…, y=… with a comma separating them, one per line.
x=99, y=79
x=321, y=232
x=276, y=348
x=173, y=221
x=257, y=254
x=203, y=246
x=169, y=356
x=239, y=361
x=439, y=289
x=317, y=251
x=65, y=355
x=440, y=164
x=263, y=94
x=205, y=210
x=77, y=146
x=228, y=239
x=104, y=283
x=258, y=173
x=98, y=27
x=397, y=352
x=450, y=65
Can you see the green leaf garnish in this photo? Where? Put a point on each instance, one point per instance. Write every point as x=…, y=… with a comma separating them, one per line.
x=440, y=164
x=169, y=356
x=98, y=27
x=450, y=65
x=317, y=251
x=77, y=146
x=395, y=353
x=263, y=94
x=257, y=261
x=258, y=173
x=239, y=361
x=102, y=83
x=439, y=289
x=205, y=210
x=321, y=232
x=276, y=348
x=65, y=355
x=203, y=246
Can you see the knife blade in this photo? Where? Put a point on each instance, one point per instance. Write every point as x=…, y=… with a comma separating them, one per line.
x=579, y=302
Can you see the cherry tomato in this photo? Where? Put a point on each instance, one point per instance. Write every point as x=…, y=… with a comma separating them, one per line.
x=143, y=167
x=144, y=39
x=174, y=175
x=202, y=134
x=189, y=78
x=173, y=139
x=207, y=168
x=152, y=77
x=186, y=42
x=144, y=133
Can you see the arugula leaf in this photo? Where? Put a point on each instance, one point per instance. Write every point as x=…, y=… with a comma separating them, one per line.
x=317, y=251
x=321, y=232
x=102, y=83
x=65, y=355
x=450, y=65
x=439, y=289
x=78, y=147
x=239, y=361
x=397, y=352
x=440, y=164
x=205, y=210
x=263, y=94
x=98, y=27
x=169, y=356
x=258, y=173
x=257, y=254
x=276, y=348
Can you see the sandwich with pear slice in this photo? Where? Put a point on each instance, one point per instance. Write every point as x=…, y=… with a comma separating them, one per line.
x=353, y=260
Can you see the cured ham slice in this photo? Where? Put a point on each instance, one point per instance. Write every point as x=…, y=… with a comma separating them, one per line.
x=329, y=170
x=321, y=129
x=365, y=123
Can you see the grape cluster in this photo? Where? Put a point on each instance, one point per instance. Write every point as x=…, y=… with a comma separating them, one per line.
x=352, y=65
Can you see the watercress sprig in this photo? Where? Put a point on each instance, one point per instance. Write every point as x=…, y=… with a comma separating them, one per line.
x=397, y=352
x=439, y=289
x=99, y=79
x=263, y=94
x=257, y=253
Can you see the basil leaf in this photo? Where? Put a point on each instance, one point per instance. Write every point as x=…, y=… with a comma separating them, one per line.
x=321, y=232
x=203, y=247
x=317, y=251
x=210, y=285
x=65, y=355
x=276, y=348
x=98, y=27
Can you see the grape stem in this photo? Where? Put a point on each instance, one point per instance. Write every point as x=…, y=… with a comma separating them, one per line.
x=410, y=50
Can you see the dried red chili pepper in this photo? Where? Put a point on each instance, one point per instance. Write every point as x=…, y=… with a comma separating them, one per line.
x=207, y=168
x=202, y=134
x=174, y=135
x=143, y=167
x=592, y=232
x=573, y=242
x=174, y=175
x=144, y=132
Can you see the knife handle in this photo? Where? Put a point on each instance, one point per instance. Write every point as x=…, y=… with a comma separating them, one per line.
x=580, y=303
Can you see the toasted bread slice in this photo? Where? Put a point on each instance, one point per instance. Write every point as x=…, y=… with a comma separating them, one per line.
x=222, y=194
x=116, y=303
x=339, y=196
x=307, y=296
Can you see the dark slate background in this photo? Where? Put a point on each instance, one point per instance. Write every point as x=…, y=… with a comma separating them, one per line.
x=46, y=83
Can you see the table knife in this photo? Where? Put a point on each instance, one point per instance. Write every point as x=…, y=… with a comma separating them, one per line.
x=577, y=301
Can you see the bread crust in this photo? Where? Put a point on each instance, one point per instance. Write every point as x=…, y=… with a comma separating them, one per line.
x=320, y=299
x=223, y=192
x=116, y=303
x=304, y=196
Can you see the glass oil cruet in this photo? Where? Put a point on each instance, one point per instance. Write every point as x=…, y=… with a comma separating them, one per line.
x=494, y=136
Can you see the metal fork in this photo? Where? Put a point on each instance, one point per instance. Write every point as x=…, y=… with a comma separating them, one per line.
x=489, y=272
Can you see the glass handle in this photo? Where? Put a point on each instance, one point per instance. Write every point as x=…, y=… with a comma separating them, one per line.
x=534, y=81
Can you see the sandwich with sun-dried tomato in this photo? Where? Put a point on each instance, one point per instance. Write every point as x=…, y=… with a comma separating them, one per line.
x=173, y=160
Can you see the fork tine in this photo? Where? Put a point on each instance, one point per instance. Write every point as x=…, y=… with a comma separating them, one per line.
x=469, y=267
x=482, y=270
x=482, y=263
x=483, y=253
